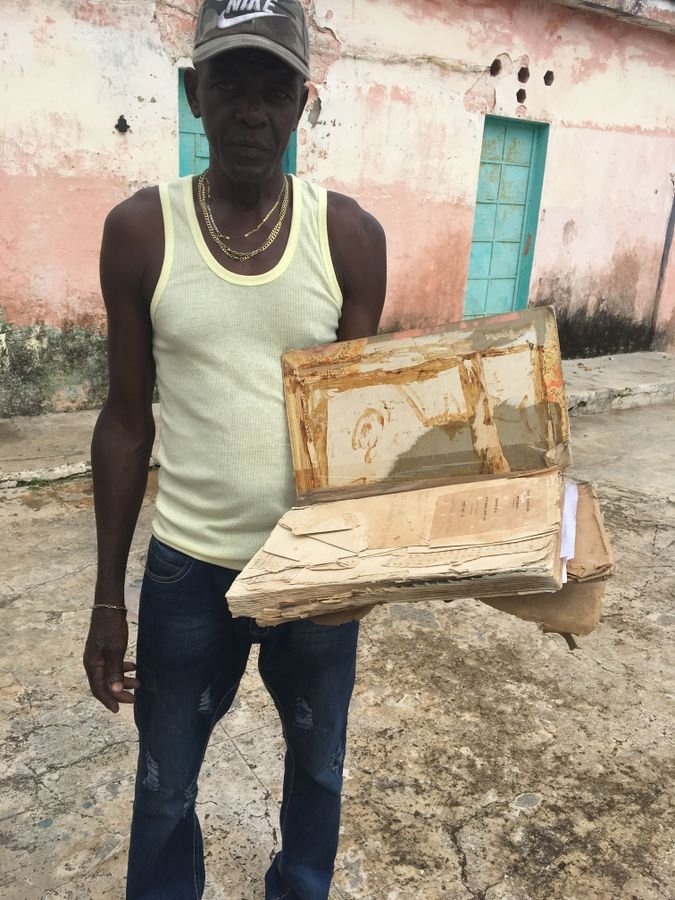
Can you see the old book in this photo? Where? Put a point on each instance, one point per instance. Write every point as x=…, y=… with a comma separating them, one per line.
x=469, y=539
x=428, y=465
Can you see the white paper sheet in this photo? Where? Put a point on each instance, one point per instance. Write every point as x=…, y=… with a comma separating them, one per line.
x=569, y=525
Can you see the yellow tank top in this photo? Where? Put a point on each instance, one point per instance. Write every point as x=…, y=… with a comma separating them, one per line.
x=226, y=475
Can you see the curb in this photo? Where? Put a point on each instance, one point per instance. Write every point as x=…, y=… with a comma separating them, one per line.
x=27, y=477
x=586, y=403
x=39, y=477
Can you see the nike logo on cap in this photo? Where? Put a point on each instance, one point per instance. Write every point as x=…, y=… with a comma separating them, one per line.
x=234, y=6
x=228, y=23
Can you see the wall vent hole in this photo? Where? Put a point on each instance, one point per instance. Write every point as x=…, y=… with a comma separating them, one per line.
x=523, y=75
x=521, y=96
x=496, y=67
x=548, y=78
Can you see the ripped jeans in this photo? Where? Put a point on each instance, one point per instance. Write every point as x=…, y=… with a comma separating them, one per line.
x=191, y=656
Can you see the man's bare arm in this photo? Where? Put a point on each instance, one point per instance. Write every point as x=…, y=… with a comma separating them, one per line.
x=359, y=251
x=123, y=435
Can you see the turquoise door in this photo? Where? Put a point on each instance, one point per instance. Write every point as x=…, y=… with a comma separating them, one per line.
x=505, y=222
x=193, y=152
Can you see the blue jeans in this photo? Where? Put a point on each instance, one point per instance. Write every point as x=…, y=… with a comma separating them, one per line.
x=191, y=656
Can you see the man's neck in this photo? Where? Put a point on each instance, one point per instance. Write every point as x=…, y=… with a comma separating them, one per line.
x=243, y=197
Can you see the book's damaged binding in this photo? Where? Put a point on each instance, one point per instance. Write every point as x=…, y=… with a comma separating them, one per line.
x=428, y=465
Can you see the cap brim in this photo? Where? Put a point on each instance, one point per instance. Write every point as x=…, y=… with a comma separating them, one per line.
x=225, y=42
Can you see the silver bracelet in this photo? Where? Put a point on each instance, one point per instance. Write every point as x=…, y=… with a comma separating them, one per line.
x=108, y=606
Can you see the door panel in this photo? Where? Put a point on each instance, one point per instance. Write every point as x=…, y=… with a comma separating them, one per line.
x=481, y=255
x=518, y=147
x=488, y=183
x=493, y=142
x=504, y=260
x=476, y=295
x=509, y=221
x=484, y=222
x=513, y=184
x=507, y=208
x=499, y=295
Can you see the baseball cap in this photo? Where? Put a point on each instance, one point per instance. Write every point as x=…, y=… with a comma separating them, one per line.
x=277, y=26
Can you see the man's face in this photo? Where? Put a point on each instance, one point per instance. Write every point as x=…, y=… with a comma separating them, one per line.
x=249, y=102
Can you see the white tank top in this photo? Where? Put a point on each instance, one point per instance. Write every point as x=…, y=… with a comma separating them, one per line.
x=226, y=475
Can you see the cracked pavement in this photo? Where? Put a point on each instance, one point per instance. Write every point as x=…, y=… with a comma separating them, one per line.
x=485, y=759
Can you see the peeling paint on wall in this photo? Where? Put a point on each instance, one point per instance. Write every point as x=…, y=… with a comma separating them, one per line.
x=658, y=14
x=175, y=20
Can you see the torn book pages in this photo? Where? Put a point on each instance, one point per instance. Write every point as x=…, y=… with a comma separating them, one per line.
x=593, y=558
x=479, y=539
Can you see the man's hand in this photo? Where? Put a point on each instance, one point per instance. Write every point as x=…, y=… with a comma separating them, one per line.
x=104, y=659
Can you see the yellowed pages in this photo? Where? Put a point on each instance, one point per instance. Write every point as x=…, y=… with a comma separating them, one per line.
x=477, y=539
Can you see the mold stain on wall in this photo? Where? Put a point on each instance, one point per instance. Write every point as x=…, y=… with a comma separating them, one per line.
x=48, y=369
x=585, y=334
x=599, y=314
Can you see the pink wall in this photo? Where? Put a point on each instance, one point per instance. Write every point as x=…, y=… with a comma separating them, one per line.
x=68, y=72
x=51, y=229
x=400, y=92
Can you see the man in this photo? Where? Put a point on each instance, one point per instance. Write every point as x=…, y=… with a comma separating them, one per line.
x=207, y=281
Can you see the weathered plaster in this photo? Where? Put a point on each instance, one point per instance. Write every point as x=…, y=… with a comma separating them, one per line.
x=587, y=230
x=658, y=14
x=176, y=21
x=663, y=316
x=397, y=103
x=50, y=229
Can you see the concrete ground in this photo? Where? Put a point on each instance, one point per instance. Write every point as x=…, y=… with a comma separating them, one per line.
x=486, y=760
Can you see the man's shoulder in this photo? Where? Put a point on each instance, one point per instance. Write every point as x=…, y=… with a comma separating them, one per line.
x=346, y=217
x=349, y=222
x=133, y=241
x=137, y=213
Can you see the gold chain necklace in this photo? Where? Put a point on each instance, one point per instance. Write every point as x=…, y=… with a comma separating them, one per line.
x=219, y=239
x=238, y=237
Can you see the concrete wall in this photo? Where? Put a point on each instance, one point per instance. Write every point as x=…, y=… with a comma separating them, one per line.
x=400, y=91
